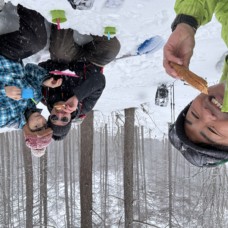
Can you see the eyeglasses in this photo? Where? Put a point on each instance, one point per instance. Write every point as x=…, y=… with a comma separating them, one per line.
x=63, y=119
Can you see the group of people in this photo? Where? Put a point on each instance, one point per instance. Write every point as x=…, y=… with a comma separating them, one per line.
x=66, y=97
x=200, y=132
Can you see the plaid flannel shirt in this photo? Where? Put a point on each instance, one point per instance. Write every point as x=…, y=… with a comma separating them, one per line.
x=15, y=74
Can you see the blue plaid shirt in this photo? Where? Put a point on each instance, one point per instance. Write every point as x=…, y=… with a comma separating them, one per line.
x=15, y=74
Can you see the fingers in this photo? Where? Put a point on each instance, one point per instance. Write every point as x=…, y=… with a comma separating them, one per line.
x=168, y=57
x=69, y=109
x=13, y=92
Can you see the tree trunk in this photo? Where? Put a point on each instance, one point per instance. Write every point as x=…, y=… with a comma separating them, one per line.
x=45, y=188
x=170, y=183
x=137, y=170
x=128, y=165
x=86, y=171
x=29, y=185
x=106, y=175
x=144, y=175
x=65, y=158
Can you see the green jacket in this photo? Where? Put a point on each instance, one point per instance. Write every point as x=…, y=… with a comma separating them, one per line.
x=203, y=11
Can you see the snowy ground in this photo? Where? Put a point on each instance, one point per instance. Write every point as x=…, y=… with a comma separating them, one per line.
x=133, y=81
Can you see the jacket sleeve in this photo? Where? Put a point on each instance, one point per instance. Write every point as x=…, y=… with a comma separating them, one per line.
x=221, y=15
x=35, y=74
x=90, y=90
x=202, y=10
x=50, y=65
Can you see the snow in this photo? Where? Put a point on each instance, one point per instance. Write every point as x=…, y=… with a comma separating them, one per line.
x=133, y=81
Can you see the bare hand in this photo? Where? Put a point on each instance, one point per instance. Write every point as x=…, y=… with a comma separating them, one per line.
x=71, y=104
x=179, y=48
x=52, y=83
x=13, y=92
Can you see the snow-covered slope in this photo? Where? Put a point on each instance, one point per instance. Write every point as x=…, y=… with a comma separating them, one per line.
x=133, y=81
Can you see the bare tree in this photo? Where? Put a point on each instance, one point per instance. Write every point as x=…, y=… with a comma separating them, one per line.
x=106, y=174
x=29, y=185
x=86, y=171
x=65, y=156
x=128, y=165
x=144, y=174
x=137, y=171
x=170, y=184
x=3, y=182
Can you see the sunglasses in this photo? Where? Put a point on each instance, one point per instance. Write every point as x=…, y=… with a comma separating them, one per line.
x=63, y=119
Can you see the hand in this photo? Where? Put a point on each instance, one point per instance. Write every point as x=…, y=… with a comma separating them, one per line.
x=71, y=105
x=13, y=92
x=52, y=83
x=179, y=48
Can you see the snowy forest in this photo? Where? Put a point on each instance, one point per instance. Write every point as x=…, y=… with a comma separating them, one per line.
x=117, y=169
x=96, y=178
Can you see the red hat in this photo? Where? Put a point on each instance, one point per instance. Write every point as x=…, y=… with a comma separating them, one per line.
x=38, y=140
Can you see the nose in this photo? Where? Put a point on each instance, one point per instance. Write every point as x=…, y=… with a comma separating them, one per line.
x=208, y=115
x=59, y=115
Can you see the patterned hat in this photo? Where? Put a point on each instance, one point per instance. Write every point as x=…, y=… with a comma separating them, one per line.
x=38, y=140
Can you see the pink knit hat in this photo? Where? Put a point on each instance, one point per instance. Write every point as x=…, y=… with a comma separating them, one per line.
x=38, y=140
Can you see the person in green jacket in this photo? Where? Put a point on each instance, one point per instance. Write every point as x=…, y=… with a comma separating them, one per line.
x=200, y=132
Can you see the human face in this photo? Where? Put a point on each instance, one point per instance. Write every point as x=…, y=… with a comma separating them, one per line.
x=205, y=123
x=60, y=116
x=36, y=122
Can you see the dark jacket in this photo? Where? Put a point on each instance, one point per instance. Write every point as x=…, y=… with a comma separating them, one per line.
x=88, y=87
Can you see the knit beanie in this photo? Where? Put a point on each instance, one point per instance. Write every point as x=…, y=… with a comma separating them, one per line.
x=37, y=141
x=59, y=132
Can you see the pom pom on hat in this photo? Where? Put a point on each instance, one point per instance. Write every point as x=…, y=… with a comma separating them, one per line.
x=38, y=152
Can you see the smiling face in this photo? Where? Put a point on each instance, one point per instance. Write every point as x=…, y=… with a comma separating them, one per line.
x=36, y=121
x=205, y=123
x=60, y=117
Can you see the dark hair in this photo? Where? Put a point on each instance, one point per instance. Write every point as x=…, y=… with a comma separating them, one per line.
x=59, y=132
x=58, y=138
x=201, y=155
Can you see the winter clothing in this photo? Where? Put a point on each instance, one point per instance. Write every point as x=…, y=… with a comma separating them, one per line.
x=85, y=61
x=2, y=3
x=88, y=87
x=200, y=155
x=37, y=141
x=196, y=154
x=59, y=132
x=203, y=11
x=14, y=74
x=66, y=54
x=9, y=19
x=14, y=47
x=28, y=40
x=99, y=51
